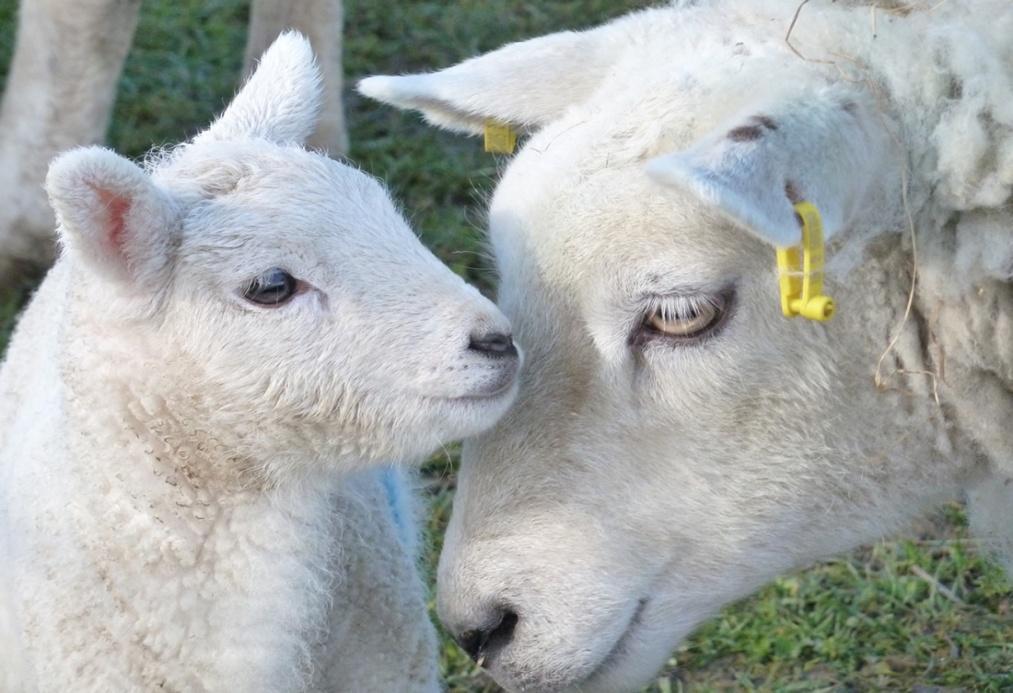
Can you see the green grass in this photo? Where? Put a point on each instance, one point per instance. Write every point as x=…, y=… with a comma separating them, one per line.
x=928, y=612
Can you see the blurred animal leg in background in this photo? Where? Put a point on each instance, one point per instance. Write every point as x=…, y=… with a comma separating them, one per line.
x=59, y=94
x=989, y=505
x=321, y=21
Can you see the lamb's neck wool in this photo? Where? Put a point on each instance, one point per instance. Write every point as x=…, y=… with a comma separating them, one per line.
x=159, y=405
x=155, y=517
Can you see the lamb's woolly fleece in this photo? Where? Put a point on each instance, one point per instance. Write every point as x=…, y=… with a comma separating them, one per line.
x=190, y=497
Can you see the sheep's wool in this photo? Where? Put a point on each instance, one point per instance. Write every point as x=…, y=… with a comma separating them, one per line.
x=677, y=442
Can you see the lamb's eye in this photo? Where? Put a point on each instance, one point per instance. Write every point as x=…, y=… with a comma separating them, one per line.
x=272, y=288
x=683, y=317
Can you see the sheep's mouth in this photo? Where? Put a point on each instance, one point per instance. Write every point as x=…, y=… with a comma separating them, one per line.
x=621, y=646
x=619, y=649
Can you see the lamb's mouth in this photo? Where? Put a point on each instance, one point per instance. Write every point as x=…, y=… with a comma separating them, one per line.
x=494, y=394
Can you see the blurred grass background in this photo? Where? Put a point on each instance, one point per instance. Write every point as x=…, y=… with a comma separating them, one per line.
x=926, y=613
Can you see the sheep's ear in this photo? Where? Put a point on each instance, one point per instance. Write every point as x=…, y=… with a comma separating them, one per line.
x=824, y=147
x=525, y=84
x=112, y=216
x=281, y=100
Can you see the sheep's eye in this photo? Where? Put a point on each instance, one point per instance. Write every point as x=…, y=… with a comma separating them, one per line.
x=683, y=318
x=685, y=324
x=272, y=288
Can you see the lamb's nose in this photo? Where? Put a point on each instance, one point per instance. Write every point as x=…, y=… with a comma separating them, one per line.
x=483, y=643
x=493, y=344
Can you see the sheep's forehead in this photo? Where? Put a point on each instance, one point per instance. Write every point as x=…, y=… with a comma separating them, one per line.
x=585, y=223
x=688, y=78
x=576, y=195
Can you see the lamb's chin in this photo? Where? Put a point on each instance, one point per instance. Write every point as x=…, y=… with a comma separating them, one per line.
x=409, y=433
x=443, y=420
x=475, y=414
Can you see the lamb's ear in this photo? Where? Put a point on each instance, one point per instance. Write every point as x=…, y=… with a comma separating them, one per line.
x=280, y=102
x=525, y=84
x=824, y=147
x=112, y=216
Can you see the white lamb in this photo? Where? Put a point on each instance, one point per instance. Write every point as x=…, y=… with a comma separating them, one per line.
x=676, y=441
x=196, y=407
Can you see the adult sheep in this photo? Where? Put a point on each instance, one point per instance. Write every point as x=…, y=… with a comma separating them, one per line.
x=62, y=84
x=677, y=442
x=196, y=407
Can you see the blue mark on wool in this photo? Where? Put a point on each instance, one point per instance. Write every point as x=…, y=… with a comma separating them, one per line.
x=393, y=484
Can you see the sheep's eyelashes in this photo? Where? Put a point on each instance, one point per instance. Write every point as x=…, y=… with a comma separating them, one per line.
x=683, y=325
x=271, y=288
x=682, y=318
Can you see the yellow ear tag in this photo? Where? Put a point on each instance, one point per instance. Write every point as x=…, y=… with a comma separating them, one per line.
x=800, y=270
x=499, y=138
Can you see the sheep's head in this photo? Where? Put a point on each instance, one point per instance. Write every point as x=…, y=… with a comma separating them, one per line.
x=279, y=289
x=676, y=441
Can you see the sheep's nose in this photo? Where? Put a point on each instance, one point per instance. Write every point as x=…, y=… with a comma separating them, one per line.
x=483, y=643
x=493, y=344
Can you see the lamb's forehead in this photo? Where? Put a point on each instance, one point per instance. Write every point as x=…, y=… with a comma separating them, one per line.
x=273, y=180
x=259, y=167
x=255, y=203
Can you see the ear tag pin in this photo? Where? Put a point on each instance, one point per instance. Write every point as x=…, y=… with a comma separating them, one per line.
x=800, y=270
x=499, y=138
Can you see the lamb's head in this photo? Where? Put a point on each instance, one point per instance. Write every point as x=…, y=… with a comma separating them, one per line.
x=279, y=292
x=676, y=441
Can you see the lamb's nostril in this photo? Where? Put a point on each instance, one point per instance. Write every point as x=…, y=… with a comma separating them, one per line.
x=483, y=643
x=495, y=344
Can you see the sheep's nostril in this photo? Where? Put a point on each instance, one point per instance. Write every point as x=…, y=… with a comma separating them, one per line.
x=494, y=344
x=471, y=643
x=482, y=643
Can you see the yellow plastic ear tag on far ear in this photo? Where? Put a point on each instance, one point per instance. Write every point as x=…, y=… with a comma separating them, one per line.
x=800, y=270
x=499, y=138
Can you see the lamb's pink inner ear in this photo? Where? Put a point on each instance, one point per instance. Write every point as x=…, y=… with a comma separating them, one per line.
x=111, y=215
x=114, y=225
